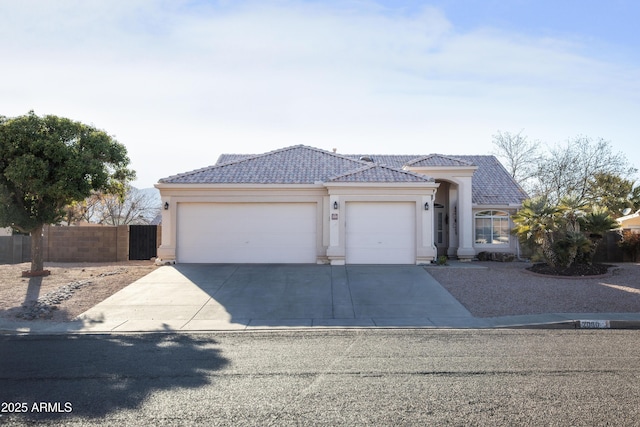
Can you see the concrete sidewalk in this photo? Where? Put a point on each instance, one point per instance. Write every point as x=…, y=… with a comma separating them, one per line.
x=193, y=297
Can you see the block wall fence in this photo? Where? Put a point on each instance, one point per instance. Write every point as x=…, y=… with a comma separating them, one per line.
x=72, y=244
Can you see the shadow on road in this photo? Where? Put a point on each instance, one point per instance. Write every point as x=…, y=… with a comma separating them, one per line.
x=94, y=376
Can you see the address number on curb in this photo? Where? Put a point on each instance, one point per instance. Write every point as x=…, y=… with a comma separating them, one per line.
x=594, y=324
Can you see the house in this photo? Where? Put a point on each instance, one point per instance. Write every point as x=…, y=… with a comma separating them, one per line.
x=630, y=222
x=306, y=205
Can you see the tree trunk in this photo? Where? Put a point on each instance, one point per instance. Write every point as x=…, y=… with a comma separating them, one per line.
x=37, y=263
x=548, y=253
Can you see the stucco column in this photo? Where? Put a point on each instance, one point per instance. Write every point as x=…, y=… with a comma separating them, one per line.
x=465, y=220
x=167, y=250
x=336, y=250
x=426, y=250
x=452, y=250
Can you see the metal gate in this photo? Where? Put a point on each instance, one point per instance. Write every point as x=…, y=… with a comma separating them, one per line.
x=143, y=242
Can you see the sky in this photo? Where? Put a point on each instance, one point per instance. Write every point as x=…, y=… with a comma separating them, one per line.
x=181, y=82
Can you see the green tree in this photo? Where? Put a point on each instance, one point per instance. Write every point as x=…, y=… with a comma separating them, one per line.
x=614, y=193
x=47, y=163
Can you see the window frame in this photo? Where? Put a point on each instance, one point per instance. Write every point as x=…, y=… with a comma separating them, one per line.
x=491, y=217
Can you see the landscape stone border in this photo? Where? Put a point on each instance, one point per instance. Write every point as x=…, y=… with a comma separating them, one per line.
x=609, y=273
x=43, y=306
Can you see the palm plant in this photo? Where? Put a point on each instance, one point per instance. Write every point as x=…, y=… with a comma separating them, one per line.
x=573, y=210
x=596, y=224
x=572, y=247
x=565, y=234
x=537, y=222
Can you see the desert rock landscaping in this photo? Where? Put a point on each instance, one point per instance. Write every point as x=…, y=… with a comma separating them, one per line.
x=507, y=289
x=70, y=289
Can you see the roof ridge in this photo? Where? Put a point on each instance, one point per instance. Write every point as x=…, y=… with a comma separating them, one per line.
x=251, y=157
x=341, y=156
x=374, y=166
x=435, y=155
x=354, y=171
x=280, y=150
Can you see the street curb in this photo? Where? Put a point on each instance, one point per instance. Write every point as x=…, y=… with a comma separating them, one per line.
x=625, y=324
x=579, y=324
x=552, y=325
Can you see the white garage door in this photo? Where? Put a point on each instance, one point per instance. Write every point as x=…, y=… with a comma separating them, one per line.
x=380, y=233
x=246, y=232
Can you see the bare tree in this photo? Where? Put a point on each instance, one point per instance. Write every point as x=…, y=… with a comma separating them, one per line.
x=84, y=210
x=567, y=170
x=136, y=207
x=519, y=155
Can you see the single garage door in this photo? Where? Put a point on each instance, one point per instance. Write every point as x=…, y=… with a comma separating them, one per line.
x=246, y=232
x=380, y=233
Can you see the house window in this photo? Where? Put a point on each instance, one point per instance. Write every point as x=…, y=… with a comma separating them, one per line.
x=492, y=228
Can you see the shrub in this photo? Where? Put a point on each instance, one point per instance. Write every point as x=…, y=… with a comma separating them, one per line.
x=561, y=235
x=630, y=243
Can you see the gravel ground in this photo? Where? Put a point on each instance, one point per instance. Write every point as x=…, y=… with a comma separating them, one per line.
x=71, y=289
x=502, y=289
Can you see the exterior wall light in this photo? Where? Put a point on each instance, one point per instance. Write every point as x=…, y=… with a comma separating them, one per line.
x=166, y=206
x=335, y=206
x=426, y=206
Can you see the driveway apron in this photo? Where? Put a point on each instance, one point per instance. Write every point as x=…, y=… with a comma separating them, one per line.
x=403, y=296
x=238, y=296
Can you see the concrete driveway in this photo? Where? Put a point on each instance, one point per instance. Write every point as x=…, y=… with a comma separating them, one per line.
x=194, y=297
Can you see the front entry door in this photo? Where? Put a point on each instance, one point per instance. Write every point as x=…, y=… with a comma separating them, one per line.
x=441, y=238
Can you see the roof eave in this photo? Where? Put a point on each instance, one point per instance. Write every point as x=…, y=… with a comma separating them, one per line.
x=425, y=184
x=213, y=185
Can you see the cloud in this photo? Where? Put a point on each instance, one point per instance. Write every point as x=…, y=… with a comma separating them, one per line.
x=260, y=75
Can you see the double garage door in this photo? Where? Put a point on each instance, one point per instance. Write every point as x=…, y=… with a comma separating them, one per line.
x=376, y=233
x=247, y=232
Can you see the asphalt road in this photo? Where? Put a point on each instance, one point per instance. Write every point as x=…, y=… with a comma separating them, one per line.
x=353, y=377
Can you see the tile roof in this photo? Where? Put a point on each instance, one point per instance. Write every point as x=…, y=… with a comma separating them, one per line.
x=492, y=184
x=292, y=165
x=392, y=160
x=379, y=173
x=437, y=160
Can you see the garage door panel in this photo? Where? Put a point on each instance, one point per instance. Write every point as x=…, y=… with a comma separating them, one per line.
x=247, y=232
x=380, y=233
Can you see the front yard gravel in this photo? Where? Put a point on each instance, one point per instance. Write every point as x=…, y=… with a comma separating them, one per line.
x=68, y=291
x=492, y=289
